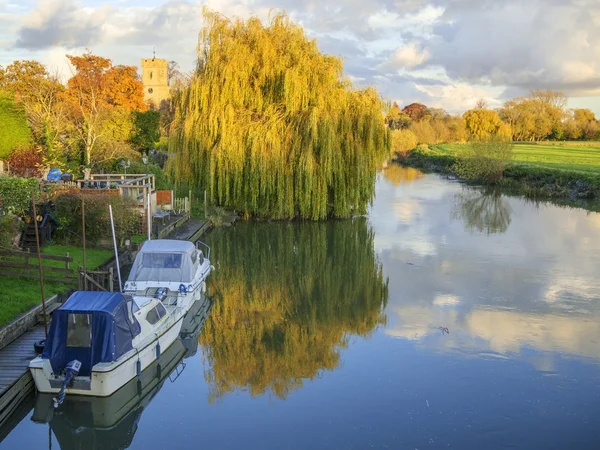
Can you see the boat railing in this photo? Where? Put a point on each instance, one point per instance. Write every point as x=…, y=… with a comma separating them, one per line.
x=198, y=243
x=177, y=372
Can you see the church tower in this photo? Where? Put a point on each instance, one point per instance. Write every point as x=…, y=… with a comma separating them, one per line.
x=156, y=83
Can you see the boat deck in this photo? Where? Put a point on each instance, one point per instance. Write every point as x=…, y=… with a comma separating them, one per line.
x=15, y=380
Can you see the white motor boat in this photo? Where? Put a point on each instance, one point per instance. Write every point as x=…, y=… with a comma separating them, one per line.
x=88, y=422
x=99, y=341
x=172, y=271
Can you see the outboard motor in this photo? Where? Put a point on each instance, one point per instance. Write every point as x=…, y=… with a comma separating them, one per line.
x=71, y=371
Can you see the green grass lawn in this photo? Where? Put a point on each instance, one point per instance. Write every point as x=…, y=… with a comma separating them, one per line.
x=94, y=257
x=581, y=159
x=17, y=295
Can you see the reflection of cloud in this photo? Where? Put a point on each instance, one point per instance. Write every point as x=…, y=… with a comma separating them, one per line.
x=405, y=211
x=446, y=300
x=563, y=287
x=508, y=331
x=417, y=322
x=534, y=285
x=499, y=331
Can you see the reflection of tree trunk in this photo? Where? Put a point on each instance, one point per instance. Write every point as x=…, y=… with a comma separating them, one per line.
x=483, y=211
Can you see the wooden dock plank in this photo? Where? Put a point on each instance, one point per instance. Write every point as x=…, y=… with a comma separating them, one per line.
x=15, y=380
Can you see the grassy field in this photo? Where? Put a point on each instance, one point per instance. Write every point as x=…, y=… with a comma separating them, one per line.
x=17, y=295
x=561, y=157
x=566, y=173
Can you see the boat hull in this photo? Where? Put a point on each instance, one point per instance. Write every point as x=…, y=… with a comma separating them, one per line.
x=107, y=378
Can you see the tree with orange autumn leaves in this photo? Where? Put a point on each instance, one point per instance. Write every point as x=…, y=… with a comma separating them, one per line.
x=87, y=121
x=99, y=99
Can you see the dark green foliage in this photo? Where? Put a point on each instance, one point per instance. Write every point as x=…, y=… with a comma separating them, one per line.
x=15, y=194
x=9, y=228
x=14, y=130
x=485, y=161
x=161, y=178
x=97, y=221
x=146, y=129
x=422, y=158
x=551, y=183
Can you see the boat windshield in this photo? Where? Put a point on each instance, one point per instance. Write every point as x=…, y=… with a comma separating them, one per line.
x=162, y=267
x=161, y=260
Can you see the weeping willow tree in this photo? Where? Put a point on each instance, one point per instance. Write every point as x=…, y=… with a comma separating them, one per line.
x=288, y=298
x=270, y=126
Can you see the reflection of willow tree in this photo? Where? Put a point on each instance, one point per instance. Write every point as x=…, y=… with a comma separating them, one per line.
x=397, y=174
x=289, y=297
x=482, y=211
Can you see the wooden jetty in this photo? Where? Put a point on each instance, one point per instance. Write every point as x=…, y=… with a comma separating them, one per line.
x=190, y=231
x=16, y=382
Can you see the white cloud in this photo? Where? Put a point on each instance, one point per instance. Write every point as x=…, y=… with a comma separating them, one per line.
x=444, y=53
x=408, y=56
x=463, y=94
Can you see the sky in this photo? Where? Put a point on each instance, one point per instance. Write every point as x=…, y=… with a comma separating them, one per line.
x=443, y=53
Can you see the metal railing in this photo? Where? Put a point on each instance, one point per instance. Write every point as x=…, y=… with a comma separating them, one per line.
x=205, y=245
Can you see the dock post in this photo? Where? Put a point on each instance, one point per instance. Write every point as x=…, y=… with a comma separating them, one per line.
x=84, y=255
x=37, y=244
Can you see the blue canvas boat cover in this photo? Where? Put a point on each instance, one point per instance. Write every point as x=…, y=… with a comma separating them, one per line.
x=54, y=175
x=92, y=327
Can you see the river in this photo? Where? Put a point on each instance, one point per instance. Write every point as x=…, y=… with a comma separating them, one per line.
x=448, y=318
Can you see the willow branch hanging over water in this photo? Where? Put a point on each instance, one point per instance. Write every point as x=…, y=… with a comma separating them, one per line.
x=270, y=126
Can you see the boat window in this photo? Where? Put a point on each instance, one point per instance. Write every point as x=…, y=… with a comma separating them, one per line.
x=79, y=330
x=161, y=310
x=161, y=260
x=155, y=314
x=200, y=257
x=132, y=308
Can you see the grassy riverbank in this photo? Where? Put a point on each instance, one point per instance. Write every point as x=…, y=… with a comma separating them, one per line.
x=559, y=157
x=17, y=295
x=561, y=172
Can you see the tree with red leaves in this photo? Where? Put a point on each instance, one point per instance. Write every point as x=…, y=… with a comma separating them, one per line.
x=416, y=111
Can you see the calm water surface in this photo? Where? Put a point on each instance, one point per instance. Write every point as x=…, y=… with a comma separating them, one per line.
x=447, y=319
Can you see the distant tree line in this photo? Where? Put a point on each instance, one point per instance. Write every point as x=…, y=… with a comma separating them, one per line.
x=542, y=115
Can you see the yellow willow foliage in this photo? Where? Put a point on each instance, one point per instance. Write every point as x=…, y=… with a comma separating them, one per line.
x=271, y=128
x=288, y=298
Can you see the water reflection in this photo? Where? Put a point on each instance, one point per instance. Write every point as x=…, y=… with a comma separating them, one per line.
x=112, y=422
x=397, y=174
x=290, y=296
x=483, y=211
x=524, y=289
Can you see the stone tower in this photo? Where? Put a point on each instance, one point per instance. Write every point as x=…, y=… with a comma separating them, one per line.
x=156, y=83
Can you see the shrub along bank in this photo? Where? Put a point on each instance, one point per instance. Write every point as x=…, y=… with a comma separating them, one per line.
x=531, y=179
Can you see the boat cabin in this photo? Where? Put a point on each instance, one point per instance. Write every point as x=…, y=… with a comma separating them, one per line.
x=91, y=327
x=167, y=263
